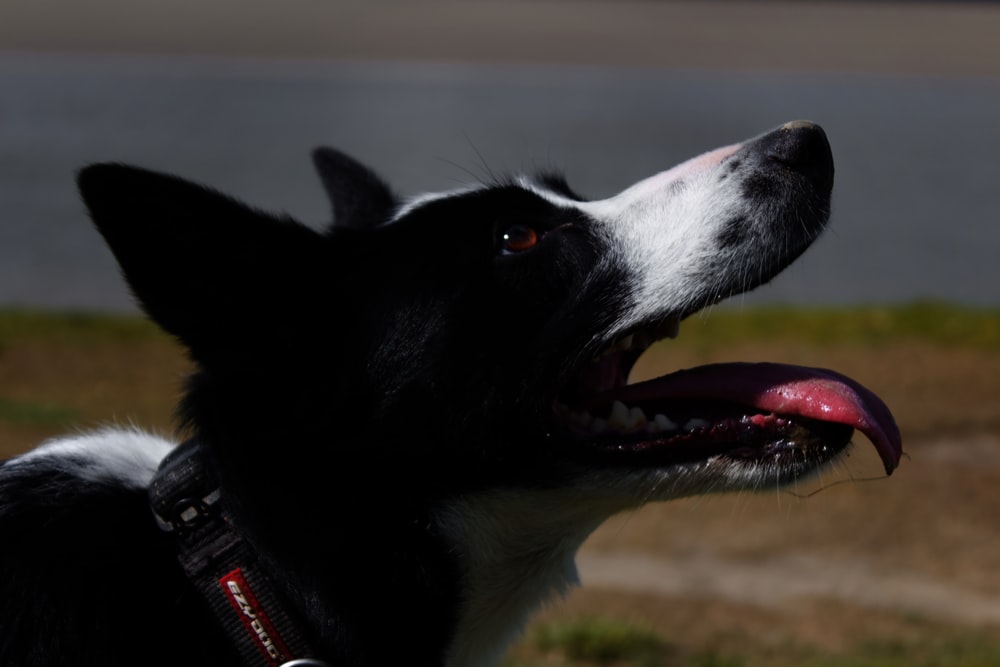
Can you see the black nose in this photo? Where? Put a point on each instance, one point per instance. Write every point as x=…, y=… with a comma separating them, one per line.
x=802, y=145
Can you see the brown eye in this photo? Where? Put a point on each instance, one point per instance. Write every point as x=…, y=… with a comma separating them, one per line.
x=518, y=239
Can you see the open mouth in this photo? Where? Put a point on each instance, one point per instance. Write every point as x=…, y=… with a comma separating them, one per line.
x=791, y=416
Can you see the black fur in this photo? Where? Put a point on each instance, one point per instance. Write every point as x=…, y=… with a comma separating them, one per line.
x=282, y=322
x=353, y=387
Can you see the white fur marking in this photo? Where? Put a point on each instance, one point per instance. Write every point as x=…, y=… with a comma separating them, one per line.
x=517, y=549
x=127, y=456
x=665, y=227
x=420, y=200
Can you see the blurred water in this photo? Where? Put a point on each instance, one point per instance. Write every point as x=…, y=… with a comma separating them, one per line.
x=915, y=214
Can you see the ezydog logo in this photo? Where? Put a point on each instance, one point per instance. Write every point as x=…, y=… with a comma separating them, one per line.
x=263, y=633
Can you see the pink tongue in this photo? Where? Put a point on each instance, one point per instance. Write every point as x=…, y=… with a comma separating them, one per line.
x=815, y=393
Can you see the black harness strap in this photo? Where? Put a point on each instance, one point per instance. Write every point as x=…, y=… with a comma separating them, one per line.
x=186, y=502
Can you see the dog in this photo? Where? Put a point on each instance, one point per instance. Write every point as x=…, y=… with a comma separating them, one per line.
x=406, y=424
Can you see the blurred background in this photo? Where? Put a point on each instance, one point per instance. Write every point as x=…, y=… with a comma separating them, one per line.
x=433, y=94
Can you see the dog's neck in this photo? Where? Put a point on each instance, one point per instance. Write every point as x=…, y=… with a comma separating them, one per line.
x=517, y=550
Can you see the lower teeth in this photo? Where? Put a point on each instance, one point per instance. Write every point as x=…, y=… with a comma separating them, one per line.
x=623, y=419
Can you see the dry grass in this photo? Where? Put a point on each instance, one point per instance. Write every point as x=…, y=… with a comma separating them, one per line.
x=62, y=373
x=914, y=556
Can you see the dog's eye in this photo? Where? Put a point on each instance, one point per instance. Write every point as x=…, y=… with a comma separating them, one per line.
x=518, y=239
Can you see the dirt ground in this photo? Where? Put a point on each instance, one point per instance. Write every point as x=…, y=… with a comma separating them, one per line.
x=855, y=561
x=847, y=558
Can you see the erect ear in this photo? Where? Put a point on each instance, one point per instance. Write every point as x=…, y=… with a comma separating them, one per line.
x=205, y=267
x=358, y=196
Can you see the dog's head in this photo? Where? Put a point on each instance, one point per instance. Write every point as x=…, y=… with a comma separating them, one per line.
x=483, y=337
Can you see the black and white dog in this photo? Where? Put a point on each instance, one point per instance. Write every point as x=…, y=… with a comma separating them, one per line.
x=408, y=423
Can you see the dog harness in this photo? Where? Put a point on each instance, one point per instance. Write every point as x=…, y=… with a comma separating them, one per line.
x=185, y=499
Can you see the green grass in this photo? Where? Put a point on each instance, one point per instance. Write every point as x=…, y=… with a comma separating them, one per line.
x=588, y=642
x=944, y=649
x=83, y=327
x=594, y=641
x=931, y=322
x=36, y=414
x=941, y=323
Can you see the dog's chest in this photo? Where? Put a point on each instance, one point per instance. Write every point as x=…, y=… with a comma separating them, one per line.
x=517, y=550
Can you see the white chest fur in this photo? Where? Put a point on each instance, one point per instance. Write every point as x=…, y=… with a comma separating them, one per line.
x=517, y=550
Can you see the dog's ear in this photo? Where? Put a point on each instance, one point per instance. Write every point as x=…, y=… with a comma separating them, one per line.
x=205, y=267
x=359, y=197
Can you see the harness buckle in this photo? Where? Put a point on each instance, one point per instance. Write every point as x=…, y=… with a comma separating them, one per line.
x=188, y=514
